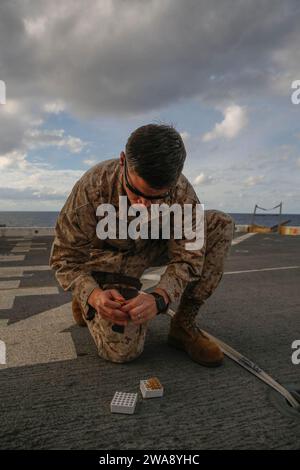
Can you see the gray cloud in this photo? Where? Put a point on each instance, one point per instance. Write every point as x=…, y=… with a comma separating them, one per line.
x=122, y=58
x=128, y=57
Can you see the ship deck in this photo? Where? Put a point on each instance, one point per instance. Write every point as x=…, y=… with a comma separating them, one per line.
x=56, y=391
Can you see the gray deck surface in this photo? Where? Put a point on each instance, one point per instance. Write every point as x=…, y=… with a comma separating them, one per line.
x=55, y=391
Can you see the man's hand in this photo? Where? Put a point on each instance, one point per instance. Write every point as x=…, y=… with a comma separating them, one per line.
x=107, y=304
x=141, y=308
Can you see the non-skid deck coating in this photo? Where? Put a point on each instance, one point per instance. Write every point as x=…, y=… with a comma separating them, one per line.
x=56, y=392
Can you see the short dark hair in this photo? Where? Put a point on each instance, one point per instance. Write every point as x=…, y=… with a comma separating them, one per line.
x=156, y=153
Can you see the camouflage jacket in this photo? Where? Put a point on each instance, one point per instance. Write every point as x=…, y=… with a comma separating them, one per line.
x=77, y=251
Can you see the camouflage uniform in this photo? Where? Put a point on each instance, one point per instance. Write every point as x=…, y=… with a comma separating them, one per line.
x=190, y=277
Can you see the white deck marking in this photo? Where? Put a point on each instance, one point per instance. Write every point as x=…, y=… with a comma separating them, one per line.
x=151, y=279
x=40, y=339
x=278, y=268
x=8, y=258
x=18, y=239
x=29, y=244
x=9, y=284
x=7, y=296
x=6, y=303
x=24, y=249
x=18, y=271
x=20, y=249
x=240, y=239
x=38, y=248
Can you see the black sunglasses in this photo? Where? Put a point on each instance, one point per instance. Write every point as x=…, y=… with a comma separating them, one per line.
x=139, y=193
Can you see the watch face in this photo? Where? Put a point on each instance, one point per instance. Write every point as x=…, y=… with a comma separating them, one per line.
x=161, y=304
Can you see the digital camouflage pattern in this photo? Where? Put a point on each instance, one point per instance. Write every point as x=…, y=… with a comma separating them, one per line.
x=114, y=346
x=76, y=250
x=190, y=277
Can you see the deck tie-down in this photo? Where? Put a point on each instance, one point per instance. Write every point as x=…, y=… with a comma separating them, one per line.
x=291, y=396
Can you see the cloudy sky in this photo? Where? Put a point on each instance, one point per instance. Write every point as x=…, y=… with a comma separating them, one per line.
x=82, y=75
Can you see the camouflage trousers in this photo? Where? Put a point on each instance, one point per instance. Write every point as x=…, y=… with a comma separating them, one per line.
x=124, y=347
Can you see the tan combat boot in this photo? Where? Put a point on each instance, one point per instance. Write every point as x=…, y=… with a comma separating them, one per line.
x=197, y=345
x=77, y=313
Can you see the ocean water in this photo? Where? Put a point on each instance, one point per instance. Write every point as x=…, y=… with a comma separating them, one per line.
x=28, y=219
x=266, y=219
x=48, y=219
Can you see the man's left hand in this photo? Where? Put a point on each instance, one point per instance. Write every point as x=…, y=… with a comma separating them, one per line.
x=141, y=308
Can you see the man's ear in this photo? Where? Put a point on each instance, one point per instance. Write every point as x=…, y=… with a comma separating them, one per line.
x=122, y=158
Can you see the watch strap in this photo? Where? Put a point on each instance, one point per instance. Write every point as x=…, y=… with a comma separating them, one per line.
x=160, y=302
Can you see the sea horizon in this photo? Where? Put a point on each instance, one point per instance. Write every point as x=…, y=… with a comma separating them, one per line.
x=48, y=218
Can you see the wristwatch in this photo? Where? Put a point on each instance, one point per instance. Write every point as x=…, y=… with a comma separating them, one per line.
x=161, y=305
